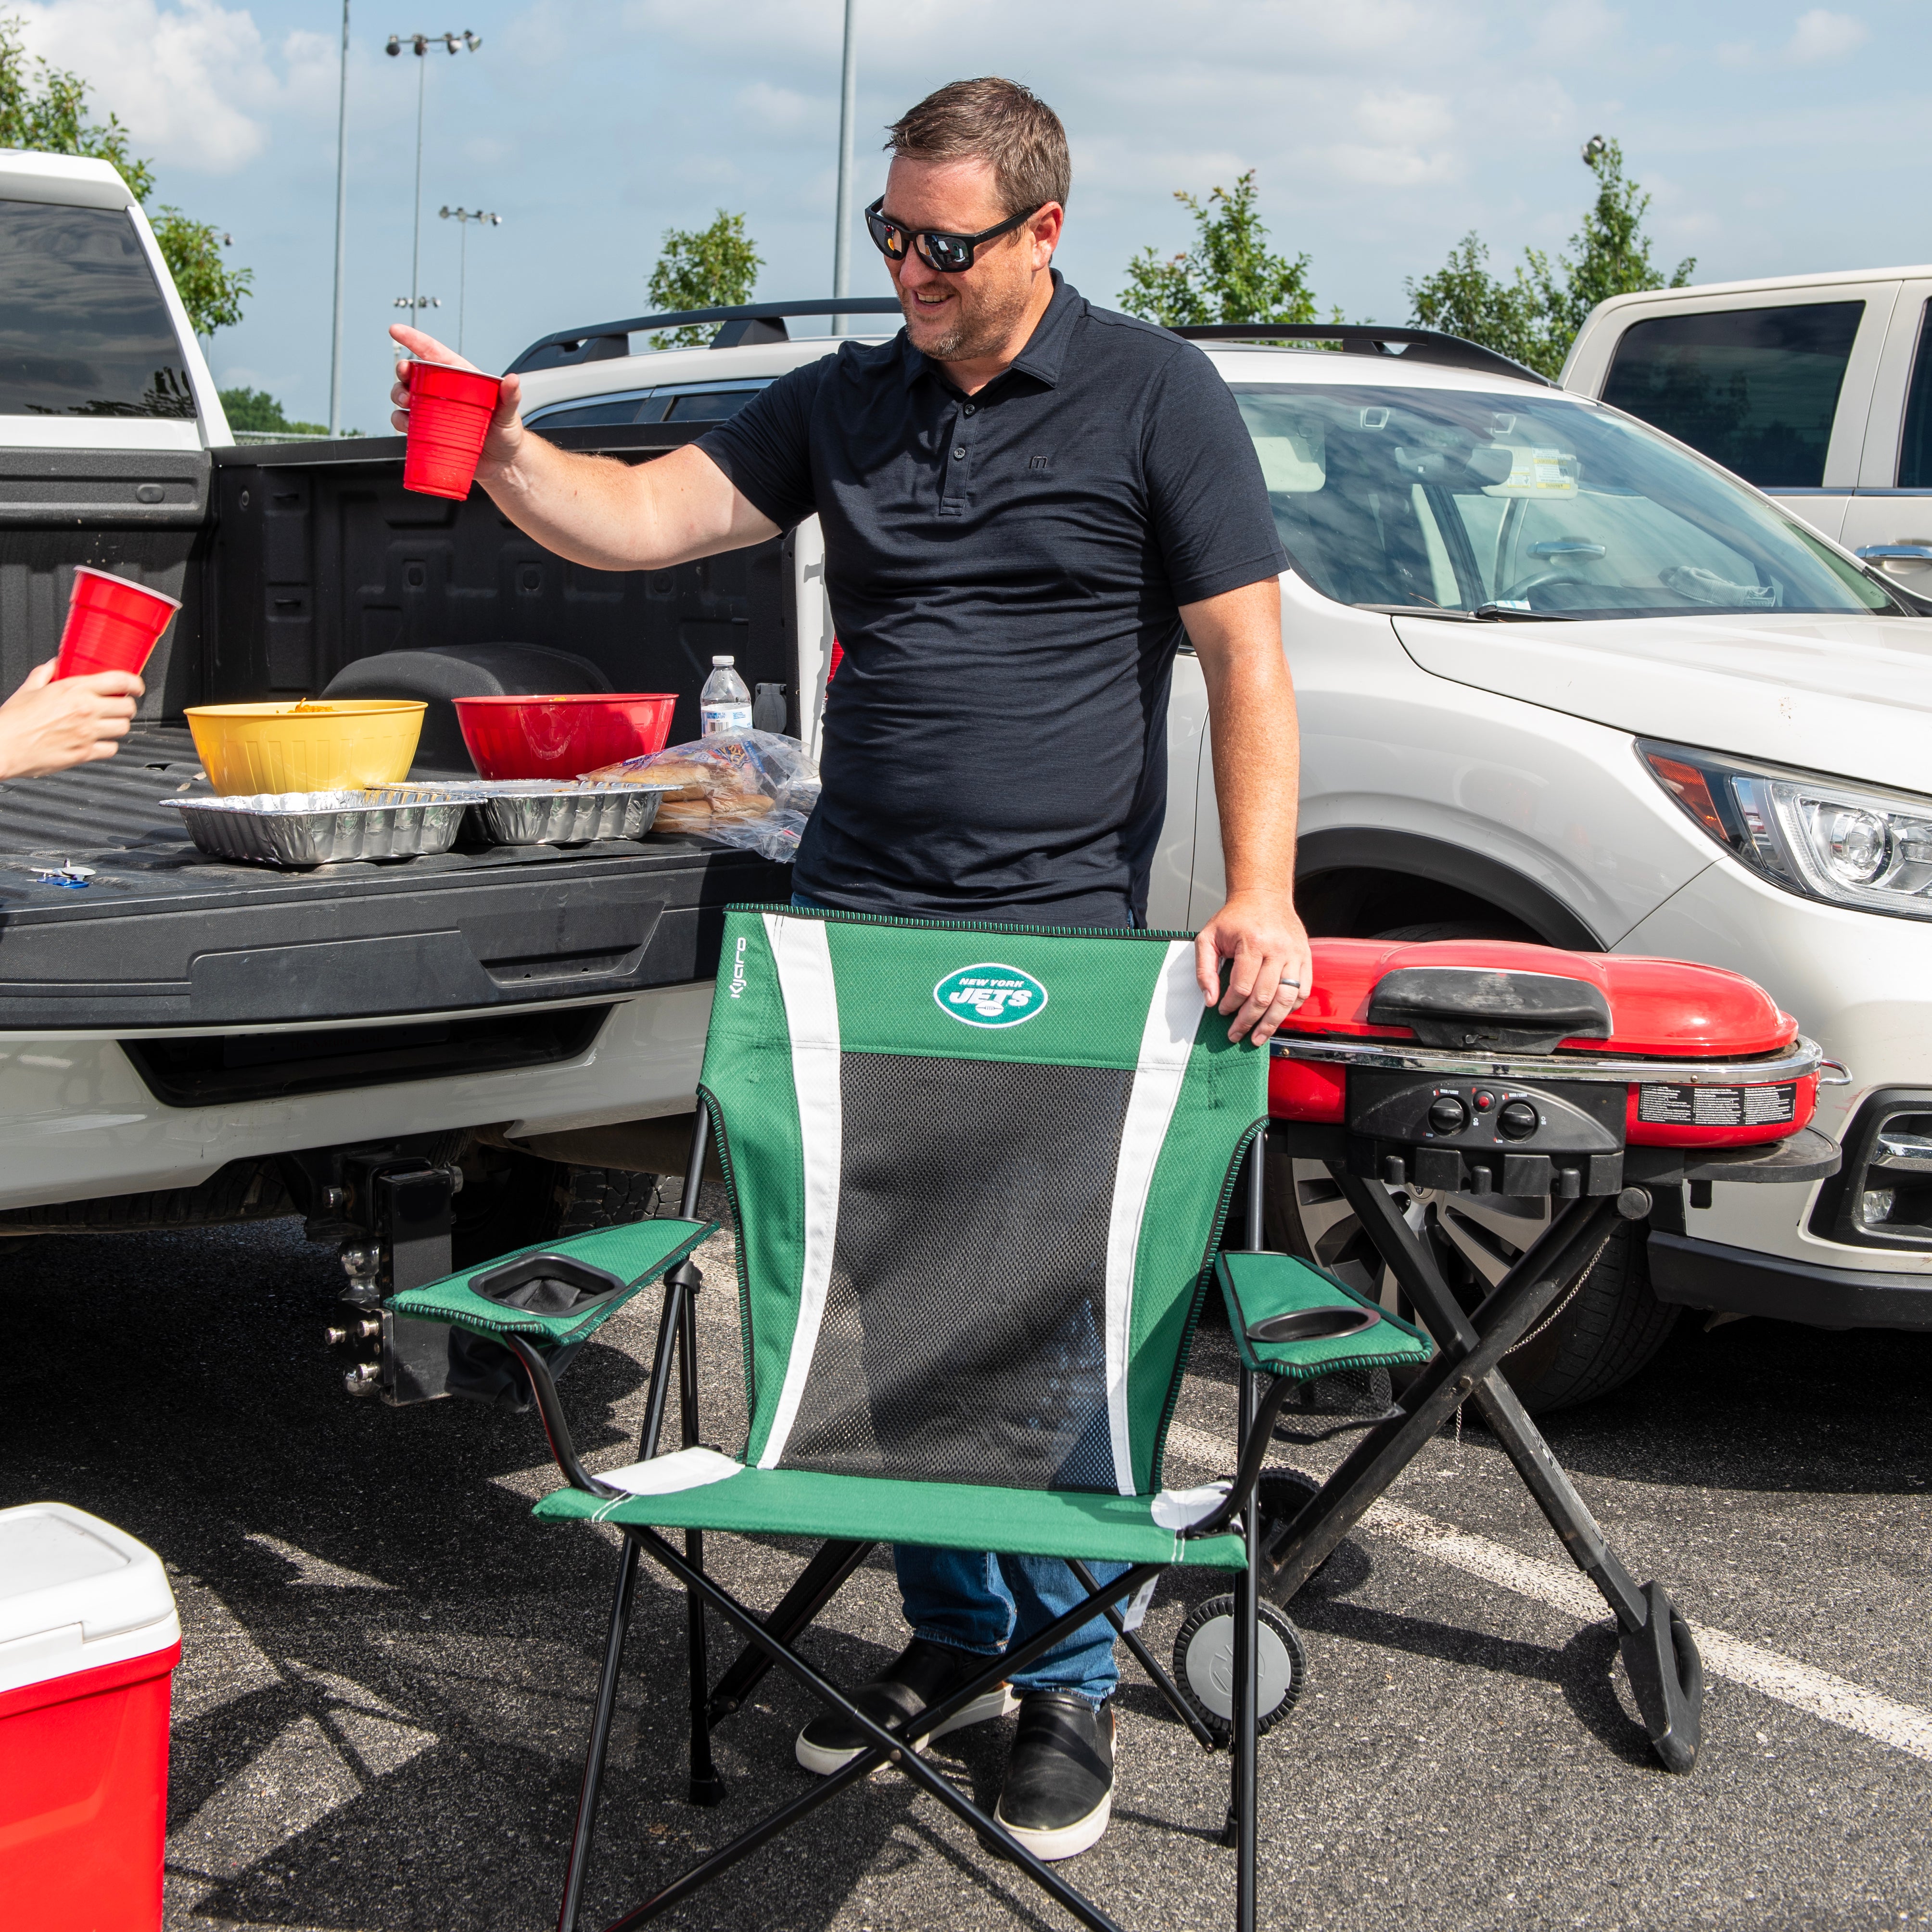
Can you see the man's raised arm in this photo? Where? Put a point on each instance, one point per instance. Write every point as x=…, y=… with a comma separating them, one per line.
x=594, y=510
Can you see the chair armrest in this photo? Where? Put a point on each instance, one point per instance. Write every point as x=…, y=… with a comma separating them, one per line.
x=635, y=1256
x=1292, y=1320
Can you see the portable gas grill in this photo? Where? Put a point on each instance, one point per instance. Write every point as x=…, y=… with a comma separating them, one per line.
x=1589, y=1082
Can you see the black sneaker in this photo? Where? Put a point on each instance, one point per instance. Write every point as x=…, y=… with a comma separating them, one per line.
x=1059, y=1791
x=922, y=1675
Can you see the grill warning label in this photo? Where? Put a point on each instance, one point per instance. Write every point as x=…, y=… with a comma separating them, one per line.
x=1717, y=1106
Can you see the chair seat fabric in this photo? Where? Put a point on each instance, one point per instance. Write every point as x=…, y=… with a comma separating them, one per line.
x=699, y=1489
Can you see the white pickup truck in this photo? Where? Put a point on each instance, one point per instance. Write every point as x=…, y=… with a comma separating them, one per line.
x=1561, y=680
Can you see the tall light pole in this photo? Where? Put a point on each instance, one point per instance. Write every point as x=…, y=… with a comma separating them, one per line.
x=419, y=44
x=341, y=231
x=464, y=216
x=848, y=90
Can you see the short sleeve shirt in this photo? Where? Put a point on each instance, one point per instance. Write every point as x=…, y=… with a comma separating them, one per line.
x=1006, y=572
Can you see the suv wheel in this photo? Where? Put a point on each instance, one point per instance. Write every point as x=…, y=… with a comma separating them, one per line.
x=1598, y=1336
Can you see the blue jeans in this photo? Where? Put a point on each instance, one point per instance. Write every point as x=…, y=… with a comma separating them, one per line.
x=975, y=1600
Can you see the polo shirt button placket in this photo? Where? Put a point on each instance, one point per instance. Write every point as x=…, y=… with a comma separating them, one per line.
x=953, y=503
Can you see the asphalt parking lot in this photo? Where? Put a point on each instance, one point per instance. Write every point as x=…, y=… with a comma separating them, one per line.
x=389, y=1666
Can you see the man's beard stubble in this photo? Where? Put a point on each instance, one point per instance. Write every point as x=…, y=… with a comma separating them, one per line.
x=985, y=332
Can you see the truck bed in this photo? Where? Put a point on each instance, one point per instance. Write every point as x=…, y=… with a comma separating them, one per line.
x=164, y=937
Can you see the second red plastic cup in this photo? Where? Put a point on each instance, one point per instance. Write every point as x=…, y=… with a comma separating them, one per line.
x=449, y=416
x=112, y=624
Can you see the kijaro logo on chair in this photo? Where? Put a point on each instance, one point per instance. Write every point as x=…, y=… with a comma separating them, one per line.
x=990, y=995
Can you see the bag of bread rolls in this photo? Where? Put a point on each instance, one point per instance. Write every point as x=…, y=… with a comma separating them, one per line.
x=752, y=790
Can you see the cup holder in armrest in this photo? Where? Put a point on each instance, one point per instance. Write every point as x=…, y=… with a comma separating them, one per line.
x=546, y=1285
x=1312, y=1324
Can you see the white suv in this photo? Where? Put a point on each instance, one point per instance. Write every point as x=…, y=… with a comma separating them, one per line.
x=1562, y=678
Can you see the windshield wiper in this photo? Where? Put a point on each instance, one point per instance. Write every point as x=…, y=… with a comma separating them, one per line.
x=1505, y=613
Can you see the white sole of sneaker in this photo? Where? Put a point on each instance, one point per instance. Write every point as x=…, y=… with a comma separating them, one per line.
x=1000, y=1702
x=1066, y=1841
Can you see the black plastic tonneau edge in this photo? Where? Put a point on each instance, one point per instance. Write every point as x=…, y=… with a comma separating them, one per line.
x=1369, y=338
x=610, y=439
x=604, y=341
x=161, y=937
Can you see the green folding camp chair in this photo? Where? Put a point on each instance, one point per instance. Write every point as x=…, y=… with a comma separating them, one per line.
x=979, y=1177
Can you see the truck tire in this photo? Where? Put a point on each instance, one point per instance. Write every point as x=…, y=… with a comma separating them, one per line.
x=511, y=1199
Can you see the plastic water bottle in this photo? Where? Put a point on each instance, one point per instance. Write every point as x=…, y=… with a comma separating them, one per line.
x=725, y=704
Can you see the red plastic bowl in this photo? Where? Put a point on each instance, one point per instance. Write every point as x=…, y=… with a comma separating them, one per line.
x=562, y=737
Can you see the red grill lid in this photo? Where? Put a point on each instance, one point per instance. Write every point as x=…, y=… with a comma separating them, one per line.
x=1657, y=1007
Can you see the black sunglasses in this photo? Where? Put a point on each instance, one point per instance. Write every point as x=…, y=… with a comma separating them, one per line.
x=948, y=254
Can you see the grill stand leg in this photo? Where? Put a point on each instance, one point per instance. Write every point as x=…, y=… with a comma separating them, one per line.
x=1666, y=1672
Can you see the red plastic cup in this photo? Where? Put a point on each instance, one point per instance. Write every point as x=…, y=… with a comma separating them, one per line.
x=563, y=737
x=449, y=416
x=112, y=624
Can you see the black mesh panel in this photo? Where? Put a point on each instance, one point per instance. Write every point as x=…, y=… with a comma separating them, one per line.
x=963, y=1334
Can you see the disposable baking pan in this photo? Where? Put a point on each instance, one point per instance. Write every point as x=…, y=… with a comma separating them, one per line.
x=565, y=812
x=300, y=828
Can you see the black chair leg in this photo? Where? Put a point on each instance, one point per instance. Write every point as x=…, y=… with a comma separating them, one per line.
x=600, y=1738
x=706, y=1786
x=1241, y=1810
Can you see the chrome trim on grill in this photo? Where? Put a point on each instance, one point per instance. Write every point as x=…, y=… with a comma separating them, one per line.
x=1802, y=1057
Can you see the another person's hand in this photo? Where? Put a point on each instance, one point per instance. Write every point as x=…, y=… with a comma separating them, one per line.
x=1273, y=970
x=506, y=427
x=46, y=725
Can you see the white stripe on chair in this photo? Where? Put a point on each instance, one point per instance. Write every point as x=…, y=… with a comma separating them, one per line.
x=1173, y=1015
x=803, y=956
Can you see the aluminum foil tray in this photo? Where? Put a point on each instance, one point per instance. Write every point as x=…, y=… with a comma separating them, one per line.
x=565, y=812
x=299, y=829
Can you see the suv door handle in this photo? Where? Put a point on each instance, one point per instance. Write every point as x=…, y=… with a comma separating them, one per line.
x=1895, y=553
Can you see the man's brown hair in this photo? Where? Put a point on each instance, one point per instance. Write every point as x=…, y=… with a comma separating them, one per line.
x=995, y=121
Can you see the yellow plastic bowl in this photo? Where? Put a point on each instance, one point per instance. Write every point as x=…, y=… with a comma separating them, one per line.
x=312, y=745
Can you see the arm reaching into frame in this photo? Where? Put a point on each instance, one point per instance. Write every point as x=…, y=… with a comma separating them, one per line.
x=594, y=510
x=1236, y=637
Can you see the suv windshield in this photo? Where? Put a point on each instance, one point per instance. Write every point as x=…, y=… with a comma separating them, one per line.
x=1432, y=500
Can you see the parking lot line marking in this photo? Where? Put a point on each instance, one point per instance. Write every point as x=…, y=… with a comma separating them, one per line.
x=1905, y=1727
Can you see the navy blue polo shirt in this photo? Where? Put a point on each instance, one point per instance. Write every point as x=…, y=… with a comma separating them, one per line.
x=1005, y=572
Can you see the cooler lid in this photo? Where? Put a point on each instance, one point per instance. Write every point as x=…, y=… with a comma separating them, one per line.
x=1659, y=1006
x=61, y=1568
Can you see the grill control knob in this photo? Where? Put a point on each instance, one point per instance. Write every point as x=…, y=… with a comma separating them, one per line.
x=1517, y=1121
x=1447, y=1115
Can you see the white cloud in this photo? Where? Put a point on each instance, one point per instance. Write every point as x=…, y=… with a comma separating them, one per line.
x=778, y=109
x=1822, y=35
x=195, y=85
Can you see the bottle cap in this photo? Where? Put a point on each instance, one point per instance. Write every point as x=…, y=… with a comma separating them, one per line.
x=724, y=661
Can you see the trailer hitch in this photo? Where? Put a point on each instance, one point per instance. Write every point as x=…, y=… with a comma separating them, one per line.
x=398, y=1208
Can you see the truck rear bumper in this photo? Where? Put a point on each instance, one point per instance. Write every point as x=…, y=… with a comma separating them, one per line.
x=77, y=1122
x=1738, y=1281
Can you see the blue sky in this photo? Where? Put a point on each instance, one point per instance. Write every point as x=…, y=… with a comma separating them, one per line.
x=1775, y=139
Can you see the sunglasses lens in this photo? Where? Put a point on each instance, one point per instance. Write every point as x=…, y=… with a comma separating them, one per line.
x=946, y=253
x=887, y=238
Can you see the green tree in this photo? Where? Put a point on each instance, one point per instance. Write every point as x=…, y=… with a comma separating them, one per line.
x=46, y=108
x=1230, y=274
x=703, y=268
x=1534, y=316
x=256, y=410
x=211, y=291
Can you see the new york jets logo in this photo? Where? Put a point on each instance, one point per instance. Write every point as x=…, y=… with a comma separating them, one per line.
x=991, y=995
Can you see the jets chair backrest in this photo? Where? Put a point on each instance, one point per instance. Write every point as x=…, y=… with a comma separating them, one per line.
x=980, y=1175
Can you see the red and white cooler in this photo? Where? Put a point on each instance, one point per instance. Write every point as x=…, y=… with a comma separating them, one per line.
x=88, y=1642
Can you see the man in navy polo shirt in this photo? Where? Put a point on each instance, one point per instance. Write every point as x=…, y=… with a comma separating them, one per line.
x=1029, y=504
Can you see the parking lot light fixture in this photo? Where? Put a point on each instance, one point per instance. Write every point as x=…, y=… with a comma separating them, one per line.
x=419, y=44
x=464, y=217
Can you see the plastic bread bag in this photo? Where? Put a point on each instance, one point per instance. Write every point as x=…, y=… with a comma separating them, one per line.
x=753, y=790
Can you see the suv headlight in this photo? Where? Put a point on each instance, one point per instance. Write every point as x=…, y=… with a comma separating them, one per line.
x=1852, y=845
